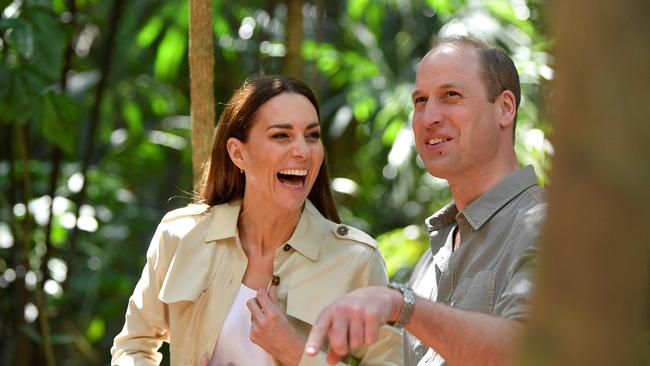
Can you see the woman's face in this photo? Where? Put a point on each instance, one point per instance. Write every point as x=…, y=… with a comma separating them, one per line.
x=283, y=153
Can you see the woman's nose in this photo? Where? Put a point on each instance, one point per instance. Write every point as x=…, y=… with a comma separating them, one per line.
x=300, y=149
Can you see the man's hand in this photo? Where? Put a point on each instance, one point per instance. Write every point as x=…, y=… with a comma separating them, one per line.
x=353, y=321
x=271, y=330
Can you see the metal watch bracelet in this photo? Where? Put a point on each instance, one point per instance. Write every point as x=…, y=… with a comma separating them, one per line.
x=408, y=305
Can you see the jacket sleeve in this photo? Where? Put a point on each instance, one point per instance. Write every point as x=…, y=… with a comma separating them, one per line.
x=388, y=348
x=146, y=320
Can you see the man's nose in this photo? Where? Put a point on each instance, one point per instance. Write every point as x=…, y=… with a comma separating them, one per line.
x=432, y=114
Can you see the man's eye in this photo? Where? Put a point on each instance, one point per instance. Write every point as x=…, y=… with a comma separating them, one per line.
x=418, y=100
x=452, y=93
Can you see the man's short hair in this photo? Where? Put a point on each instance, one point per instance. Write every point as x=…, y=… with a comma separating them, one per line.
x=498, y=71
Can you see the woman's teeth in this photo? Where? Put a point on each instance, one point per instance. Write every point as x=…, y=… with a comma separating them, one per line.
x=298, y=172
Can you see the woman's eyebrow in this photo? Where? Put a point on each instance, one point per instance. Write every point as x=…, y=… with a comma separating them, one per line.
x=288, y=126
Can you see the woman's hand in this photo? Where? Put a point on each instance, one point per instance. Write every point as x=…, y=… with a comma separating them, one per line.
x=271, y=330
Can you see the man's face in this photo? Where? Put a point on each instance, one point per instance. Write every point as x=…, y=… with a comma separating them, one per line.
x=456, y=128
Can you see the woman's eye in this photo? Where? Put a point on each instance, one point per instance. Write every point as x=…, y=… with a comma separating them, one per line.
x=280, y=135
x=314, y=135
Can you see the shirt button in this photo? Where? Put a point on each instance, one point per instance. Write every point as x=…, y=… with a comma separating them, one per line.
x=286, y=247
x=275, y=280
x=342, y=230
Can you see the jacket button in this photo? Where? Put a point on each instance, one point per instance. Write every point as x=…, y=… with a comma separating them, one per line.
x=275, y=280
x=342, y=230
x=286, y=247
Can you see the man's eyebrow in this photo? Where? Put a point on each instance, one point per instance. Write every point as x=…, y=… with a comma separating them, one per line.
x=446, y=85
x=288, y=126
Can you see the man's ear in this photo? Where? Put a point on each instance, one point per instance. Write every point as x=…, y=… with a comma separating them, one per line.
x=236, y=152
x=507, y=108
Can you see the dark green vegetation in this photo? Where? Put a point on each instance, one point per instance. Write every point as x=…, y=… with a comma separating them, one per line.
x=94, y=137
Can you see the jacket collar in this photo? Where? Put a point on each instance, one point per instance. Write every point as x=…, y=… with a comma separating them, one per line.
x=305, y=238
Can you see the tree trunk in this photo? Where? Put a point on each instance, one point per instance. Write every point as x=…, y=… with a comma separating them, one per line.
x=293, y=60
x=201, y=57
x=591, y=305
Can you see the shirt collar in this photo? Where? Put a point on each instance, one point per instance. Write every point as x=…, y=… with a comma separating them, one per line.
x=305, y=238
x=487, y=204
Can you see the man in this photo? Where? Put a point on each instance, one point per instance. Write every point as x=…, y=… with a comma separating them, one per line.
x=474, y=283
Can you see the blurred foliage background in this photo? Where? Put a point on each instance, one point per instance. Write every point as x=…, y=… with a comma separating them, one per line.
x=95, y=128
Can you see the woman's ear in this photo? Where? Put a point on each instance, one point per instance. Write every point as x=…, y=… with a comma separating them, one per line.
x=236, y=152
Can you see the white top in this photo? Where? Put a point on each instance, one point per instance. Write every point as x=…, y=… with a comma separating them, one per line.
x=234, y=345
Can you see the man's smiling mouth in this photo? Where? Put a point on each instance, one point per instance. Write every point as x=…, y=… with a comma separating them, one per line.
x=436, y=141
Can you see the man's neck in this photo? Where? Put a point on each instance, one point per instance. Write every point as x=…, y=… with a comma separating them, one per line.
x=468, y=186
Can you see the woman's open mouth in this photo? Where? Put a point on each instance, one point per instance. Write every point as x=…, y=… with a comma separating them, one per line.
x=293, y=177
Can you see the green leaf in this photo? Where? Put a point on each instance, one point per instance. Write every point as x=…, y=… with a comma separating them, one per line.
x=221, y=26
x=58, y=117
x=400, y=250
x=443, y=7
x=96, y=329
x=390, y=133
x=503, y=10
x=171, y=53
x=21, y=37
x=356, y=8
x=25, y=87
x=133, y=117
x=150, y=31
x=49, y=44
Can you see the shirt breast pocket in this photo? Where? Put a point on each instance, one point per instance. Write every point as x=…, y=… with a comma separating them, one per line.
x=478, y=293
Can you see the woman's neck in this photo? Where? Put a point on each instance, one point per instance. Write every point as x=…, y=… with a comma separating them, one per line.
x=262, y=229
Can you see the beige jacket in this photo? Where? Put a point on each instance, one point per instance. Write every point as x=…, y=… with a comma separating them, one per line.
x=195, y=265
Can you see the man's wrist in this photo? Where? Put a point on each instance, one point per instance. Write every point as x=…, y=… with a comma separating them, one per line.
x=404, y=311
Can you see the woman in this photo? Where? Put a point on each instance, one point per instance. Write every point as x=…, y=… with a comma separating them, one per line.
x=240, y=278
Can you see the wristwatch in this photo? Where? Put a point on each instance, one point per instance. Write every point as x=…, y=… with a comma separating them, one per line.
x=407, y=307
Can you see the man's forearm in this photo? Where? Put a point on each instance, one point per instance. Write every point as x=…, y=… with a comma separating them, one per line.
x=464, y=337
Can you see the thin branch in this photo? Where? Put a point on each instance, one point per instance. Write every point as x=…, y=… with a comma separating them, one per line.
x=25, y=240
x=105, y=67
x=57, y=153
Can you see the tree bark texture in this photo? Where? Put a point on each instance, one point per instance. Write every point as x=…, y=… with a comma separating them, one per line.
x=591, y=305
x=293, y=61
x=201, y=58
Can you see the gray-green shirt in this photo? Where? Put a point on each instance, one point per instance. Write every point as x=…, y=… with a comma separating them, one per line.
x=491, y=271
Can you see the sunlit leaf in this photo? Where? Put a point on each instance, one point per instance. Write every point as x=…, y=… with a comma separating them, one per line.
x=96, y=329
x=391, y=132
x=503, y=9
x=221, y=26
x=171, y=53
x=356, y=8
x=400, y=249
x=133, y=117
x=150, y=31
